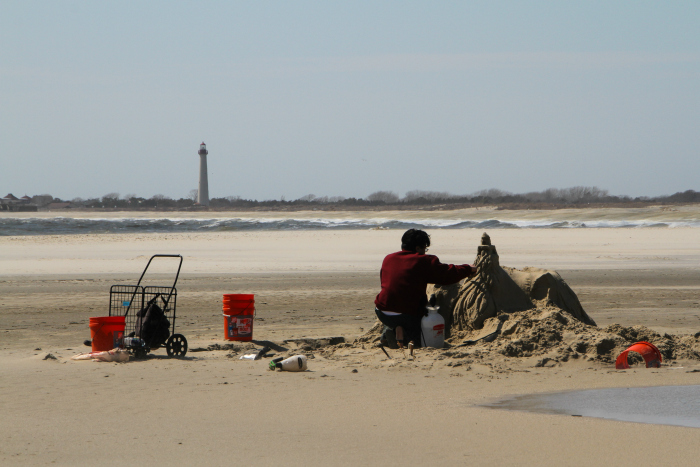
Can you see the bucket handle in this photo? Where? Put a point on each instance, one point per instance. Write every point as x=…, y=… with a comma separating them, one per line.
x=248, y=307
x=255, y=313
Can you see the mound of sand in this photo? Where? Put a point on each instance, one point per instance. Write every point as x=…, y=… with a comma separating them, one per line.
x=535, y=315
x=556, y=336
x=546, y=337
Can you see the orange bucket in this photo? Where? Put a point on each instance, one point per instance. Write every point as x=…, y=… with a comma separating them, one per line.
x=106, y=332
x=239, y=313
x=648, y=351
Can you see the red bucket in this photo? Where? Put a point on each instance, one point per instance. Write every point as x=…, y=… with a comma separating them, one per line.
x=106, y=332
x=648, y=351
x=239, y=313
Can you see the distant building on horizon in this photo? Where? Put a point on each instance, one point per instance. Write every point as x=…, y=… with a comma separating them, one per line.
x=60, y=206
x=12, y=203
x=203, y=191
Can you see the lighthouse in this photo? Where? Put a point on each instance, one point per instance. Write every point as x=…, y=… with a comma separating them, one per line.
x=203, y=192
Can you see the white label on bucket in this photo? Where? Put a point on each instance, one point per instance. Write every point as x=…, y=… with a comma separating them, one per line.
x=245, y=325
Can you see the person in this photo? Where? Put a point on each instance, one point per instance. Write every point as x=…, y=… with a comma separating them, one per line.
x=404, y=276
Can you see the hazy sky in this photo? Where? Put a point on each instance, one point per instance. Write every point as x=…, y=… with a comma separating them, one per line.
x=347, y=98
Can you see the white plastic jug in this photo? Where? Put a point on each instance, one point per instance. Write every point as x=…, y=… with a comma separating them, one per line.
x=295, y=363
x=433, y=329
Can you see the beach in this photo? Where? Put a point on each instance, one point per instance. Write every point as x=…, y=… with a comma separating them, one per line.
x=353, y=406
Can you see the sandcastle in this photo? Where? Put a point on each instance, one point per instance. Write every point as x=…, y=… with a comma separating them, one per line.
x=533, y=314
x=495, y=290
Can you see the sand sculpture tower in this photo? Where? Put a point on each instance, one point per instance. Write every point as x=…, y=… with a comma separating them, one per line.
x=495, y=290
x=203, y=192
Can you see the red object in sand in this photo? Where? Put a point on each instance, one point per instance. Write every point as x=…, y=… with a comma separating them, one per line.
x=106, y=332
x=648, y=351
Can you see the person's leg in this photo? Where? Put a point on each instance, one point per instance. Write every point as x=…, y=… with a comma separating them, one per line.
x=411, y=330
x=405, y=327
x=388, y=337
x=399, y=334
x=416, y=332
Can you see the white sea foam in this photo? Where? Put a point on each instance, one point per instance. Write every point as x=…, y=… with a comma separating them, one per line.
x=65, y=225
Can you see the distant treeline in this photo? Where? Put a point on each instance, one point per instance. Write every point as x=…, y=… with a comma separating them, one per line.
x=550, y=198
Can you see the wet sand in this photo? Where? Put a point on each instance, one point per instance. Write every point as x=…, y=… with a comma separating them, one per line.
x=211, y=407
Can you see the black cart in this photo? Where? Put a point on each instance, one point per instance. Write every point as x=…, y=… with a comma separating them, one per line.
x=149, y=315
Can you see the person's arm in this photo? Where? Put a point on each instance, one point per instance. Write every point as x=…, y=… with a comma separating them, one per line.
x=445, y=274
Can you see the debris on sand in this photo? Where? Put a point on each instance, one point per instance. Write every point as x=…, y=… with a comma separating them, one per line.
x=287, y=348
x=114, y=355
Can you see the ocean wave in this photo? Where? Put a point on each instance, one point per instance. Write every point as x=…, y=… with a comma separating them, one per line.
x=69, y=225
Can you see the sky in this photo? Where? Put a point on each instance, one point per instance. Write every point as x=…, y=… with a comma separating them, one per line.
x=347, y=98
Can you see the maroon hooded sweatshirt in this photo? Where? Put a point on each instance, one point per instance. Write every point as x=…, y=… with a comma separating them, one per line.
x=406, y=274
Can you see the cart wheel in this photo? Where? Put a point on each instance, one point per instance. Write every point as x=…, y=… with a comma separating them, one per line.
x=176, y=346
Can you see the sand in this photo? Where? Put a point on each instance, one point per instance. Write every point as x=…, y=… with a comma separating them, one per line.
x=354, y=406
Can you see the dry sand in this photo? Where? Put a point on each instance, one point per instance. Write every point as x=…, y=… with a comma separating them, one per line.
x=354, y=406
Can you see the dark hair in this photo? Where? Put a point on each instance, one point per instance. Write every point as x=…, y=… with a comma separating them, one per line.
x=414, y=238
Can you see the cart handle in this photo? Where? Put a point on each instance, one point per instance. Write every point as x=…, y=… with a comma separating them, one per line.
x=179, y=266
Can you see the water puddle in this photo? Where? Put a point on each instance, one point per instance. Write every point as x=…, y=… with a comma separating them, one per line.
x=663, y=405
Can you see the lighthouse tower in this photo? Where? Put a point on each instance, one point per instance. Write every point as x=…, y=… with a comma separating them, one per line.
x=203, y=192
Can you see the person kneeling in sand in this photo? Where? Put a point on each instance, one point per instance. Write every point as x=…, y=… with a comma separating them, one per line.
x=404, y=276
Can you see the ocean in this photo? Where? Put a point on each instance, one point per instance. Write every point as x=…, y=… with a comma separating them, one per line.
x=163, y=223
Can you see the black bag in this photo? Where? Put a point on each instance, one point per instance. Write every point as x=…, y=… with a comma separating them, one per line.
x=151, y=324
